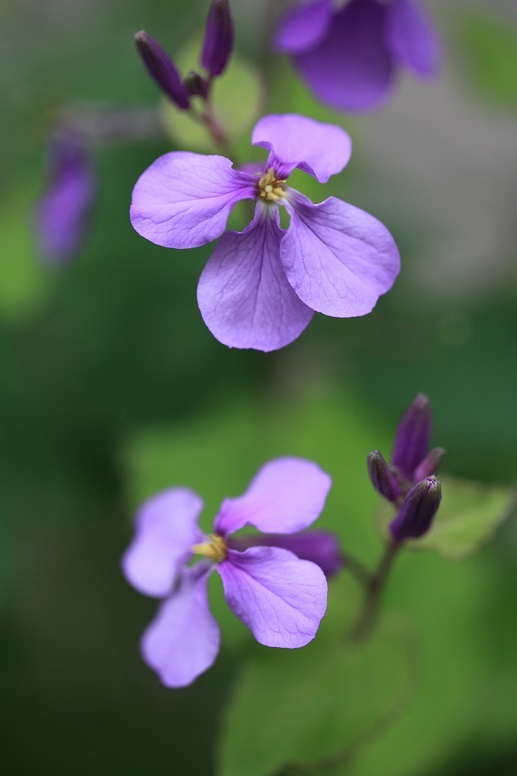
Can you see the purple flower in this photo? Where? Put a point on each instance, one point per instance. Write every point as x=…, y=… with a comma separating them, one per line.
x=63, y=211
x=280, y=597
x=408, y=481
x=261, y=286
x=348, y=55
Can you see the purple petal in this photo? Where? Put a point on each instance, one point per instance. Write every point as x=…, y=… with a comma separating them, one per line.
x=243, y=293
x=351, y=68
x=338, y=259
x=319, y=149
x=304, y=26
x=280, y=598
x=166, y=528
x=286, y=495
x=413, y=436
x=183, y=199
x=63, y=212
x=412, y=37
x=318, y=547
x=183, y=641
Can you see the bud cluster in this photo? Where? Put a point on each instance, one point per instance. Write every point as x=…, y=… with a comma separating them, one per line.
x=409, y=481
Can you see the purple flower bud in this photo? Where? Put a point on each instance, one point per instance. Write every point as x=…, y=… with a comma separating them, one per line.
x=383, y=480
x=413, y=437
x=416, y=513
x=430, y=464
x=195, y=84
x=62, y=213
x=218, y=42
x=162, y=69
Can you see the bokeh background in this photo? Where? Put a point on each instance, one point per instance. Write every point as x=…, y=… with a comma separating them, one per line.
x=111, y=387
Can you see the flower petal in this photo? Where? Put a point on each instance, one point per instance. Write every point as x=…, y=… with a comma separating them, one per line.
x=183, y=641
x=317, y=546
x=338, y=259
x=351, y=68
x=183, y=199
x=166, y=528
x=319, y=149
x=412, y=37
x=279, y=597
x=243, y=293
x=304, y=26
x=286, y=495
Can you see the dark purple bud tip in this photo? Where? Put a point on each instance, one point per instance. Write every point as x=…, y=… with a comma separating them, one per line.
x=430, y=463
x=383, y=480
x=218, y=42
x=195, y=84
x=162, y=69
x=413, y=437
x=416, y=513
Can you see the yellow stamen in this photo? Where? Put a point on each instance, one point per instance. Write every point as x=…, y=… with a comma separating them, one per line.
x=270, y=188
x=214, y=549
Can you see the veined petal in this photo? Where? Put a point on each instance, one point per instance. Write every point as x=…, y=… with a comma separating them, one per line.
x=319, y=149
x=338, y=259
x=166, y=528
x=183, y=199
x=351, y=68
x=286, y=495
x=412, y=37
x=279, y=597
x=317, y=546
x=243, y=293
x=304, y=26
x=183, y=641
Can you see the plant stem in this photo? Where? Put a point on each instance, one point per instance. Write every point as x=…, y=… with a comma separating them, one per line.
x=373, y=591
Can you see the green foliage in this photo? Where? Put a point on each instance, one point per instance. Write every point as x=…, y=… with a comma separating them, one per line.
x=237, y=100
x=320, y=703
x=469, y=514
x=489, y=47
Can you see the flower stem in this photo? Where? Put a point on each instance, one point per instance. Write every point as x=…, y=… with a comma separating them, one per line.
x=369, y=612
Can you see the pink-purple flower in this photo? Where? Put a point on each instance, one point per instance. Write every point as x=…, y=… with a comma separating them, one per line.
x=279, y=596
x=261, y=286
x=348, y=53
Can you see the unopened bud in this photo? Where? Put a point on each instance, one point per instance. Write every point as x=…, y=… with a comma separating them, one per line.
x=416, y=513
x=195, y=84
x=162, y=69
x=413, y=437
x=430, y=463
x=218, y=42
x=383, y=480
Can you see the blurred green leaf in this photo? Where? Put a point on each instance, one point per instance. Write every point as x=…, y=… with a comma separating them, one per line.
x=323, y=702
x=237, y=100
x=489, y=45
x=25, y=283
x=469, y=514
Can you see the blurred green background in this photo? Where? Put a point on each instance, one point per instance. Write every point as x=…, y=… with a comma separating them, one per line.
x=111, y=387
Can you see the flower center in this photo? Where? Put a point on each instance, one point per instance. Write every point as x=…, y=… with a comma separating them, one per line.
x=270, y=188
x=215, y=549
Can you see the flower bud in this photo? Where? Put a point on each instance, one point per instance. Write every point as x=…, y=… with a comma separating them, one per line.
x=162, y=69
x=195, y=84
x=430, y=463
x=218, y=42
x=416, y=513
x=383, y=480
x=413, y=437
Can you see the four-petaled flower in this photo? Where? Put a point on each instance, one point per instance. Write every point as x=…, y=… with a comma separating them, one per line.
x=261, y=286
x=280, y=597
x=348, y=54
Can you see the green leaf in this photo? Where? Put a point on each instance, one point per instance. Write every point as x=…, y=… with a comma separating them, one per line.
x=237, y=100
x=320, y=704
x=469, y=514
x=489, y=45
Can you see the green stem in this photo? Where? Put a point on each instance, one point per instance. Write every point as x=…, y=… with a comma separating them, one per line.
x=368, y=615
